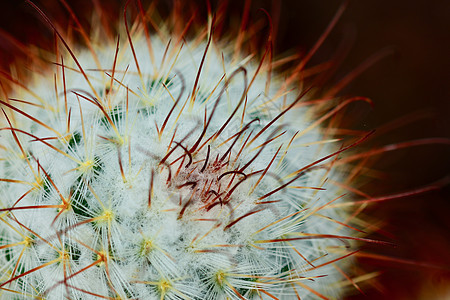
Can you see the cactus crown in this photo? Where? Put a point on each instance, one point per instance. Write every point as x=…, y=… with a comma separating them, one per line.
x=156, y=167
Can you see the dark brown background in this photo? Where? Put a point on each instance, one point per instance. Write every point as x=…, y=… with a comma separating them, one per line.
x=415, y=79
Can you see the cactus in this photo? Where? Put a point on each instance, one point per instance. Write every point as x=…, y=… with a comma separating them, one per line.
x=153, y=166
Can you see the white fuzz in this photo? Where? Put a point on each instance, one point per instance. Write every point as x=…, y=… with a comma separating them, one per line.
x=161, y=187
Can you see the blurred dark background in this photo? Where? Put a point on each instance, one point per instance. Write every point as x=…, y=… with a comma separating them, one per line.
x=413, y=84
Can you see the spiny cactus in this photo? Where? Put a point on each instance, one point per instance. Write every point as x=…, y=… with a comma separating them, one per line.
x=158, y=166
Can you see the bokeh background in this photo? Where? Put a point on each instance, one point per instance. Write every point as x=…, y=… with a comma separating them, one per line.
x=412, y=84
